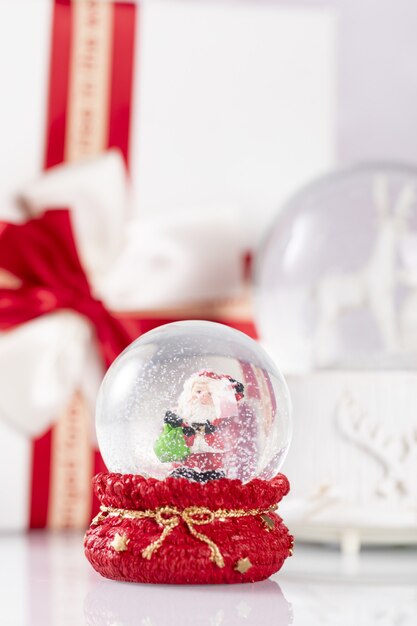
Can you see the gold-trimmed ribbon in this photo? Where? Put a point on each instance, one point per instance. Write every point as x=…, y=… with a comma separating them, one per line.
x=169, y=517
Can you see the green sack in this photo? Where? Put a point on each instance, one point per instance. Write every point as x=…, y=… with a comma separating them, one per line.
x=170, y=445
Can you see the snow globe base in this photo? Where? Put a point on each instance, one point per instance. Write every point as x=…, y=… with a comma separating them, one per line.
x=181, y=532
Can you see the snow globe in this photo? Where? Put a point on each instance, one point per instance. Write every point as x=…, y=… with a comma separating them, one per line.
x=336, y=294
x=193, y=422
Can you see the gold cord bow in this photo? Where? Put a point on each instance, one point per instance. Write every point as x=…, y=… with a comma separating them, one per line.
x=169, y=517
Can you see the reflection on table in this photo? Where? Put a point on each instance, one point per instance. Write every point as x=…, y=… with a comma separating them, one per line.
x=45, y=580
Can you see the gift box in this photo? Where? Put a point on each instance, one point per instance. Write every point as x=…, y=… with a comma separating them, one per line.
x=191, y=107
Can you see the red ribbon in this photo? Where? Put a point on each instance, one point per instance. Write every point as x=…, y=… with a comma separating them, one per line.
x=41, y=253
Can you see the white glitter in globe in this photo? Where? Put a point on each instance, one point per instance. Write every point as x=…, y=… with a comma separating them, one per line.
x=196, y=400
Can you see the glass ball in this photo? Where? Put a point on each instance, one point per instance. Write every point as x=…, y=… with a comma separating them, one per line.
x=195, y=400
x=336, y=276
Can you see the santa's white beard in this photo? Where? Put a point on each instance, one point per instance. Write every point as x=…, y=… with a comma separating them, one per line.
x=198, y=413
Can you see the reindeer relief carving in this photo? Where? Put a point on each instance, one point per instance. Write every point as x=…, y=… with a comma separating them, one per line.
x=373, y=285
x=396, y=453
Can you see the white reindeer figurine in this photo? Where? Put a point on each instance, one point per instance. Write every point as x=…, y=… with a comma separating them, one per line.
x=373, y=285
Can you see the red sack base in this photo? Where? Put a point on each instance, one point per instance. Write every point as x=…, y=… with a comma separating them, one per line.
x=250, y=542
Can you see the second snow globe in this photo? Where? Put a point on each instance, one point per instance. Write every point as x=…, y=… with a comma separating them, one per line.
x=336, y=286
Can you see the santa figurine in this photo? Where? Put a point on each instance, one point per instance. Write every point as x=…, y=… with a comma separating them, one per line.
x=203, y=436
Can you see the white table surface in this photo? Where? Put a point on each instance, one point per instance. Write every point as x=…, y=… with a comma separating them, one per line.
x=45, y=580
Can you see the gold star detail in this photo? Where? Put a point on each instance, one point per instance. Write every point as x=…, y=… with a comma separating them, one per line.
x=120, y=542
x=243, y=565
x=268, y=521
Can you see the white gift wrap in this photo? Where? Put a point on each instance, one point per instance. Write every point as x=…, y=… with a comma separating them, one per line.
x=235, y=104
